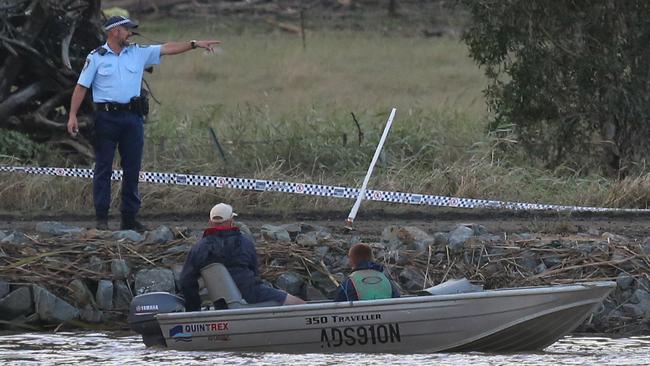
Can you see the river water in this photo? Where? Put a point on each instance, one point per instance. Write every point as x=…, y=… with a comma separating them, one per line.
x=118, y=349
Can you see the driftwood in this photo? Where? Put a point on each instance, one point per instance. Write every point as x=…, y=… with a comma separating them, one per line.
x=44, y=45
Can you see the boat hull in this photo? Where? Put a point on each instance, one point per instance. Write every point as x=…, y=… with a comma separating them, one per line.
x=494, y=321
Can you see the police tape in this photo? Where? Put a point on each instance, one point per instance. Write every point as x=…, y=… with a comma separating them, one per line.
x=262, y=185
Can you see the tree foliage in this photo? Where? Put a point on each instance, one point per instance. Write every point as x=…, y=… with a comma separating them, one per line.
x=570, y=76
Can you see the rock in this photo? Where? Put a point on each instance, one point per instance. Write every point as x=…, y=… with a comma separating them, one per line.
x=95, y=264
x=311, y=227
x=354, y=238
x=458, y=237
x=57, y=228
x=244, y=229
x=91, y=315
x=4, y=288
x=440, y=239
x=593, y=232
x=409, y=236
x=491, y=239
x=17, y=322
x=182, y=248
x=324, y=284
x=271, y=232
x=18, y=302
x=552, y=261
x=160, y=235
x=52, y=309
x=417, y=239
x=615, y=238
x=411, y=279
x=122, y=295
x=625, y=262
x=120, y=269
x=104, y=295
x=321, y=252
x=640, y=296
x=90, y=248
x=585, y=248
x=322, y=235
x=529, y=261
x=645, y=247
x=314, y=294
x=632, y=310
x=522, y=236
x=291, y=282
x=292, y=229
x=307, y=240
x=153, y=280
x=491, y=269
x=128, y=235
x=389, y=256
x=80, y=292
x=624, y=281
x=390, y=237
x=478, y=229
x=15, y=238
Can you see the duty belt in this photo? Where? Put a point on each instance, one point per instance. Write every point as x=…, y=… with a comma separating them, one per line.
x=111, y=107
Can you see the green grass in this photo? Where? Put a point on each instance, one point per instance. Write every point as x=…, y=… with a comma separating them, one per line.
x=283, y=112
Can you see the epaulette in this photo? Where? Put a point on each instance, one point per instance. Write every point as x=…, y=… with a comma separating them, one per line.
x=142, y=45
x=101, y=50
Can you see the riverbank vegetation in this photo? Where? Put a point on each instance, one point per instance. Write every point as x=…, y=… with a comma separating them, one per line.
x=314, y=114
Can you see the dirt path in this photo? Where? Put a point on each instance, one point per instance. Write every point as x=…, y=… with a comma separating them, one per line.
x=369, y=225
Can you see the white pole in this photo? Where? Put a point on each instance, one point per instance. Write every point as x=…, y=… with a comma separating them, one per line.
x=362, y=192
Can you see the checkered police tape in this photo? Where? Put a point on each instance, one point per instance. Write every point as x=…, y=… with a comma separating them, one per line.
x=314, y=190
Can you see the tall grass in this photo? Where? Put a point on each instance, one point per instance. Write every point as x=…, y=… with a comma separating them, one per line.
x=283, y=112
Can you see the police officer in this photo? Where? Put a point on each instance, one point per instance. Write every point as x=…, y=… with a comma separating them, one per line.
x=367, y=280
x=114, y=71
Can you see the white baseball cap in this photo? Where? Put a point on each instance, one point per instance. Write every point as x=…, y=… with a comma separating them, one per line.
x=221, y=212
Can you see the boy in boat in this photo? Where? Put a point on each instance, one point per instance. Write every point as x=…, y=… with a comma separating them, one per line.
x=222, y=242
x=367, y=280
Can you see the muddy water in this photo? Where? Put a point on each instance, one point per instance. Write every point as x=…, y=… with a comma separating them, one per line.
x=118, y=349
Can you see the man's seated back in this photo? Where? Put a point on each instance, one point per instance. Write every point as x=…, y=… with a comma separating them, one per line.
x=367, y=280
x=223, y=242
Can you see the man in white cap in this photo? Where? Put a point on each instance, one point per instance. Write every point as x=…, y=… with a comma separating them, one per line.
x=114, y=72
x=222, y=242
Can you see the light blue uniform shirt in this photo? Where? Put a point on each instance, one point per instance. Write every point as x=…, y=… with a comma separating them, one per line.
x=117, y=78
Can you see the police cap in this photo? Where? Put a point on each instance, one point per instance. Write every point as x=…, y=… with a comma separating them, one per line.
x=113, y=22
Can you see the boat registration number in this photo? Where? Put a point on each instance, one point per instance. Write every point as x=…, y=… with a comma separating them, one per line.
x=360, y=335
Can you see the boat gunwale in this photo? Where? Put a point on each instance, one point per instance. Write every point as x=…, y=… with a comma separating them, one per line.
x=508, y=292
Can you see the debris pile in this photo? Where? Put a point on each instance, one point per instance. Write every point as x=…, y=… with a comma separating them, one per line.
x=43, y=47
x=65, y=274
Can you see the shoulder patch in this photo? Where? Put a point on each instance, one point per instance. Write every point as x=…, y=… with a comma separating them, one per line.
x=86, y=64
x=142, y=45
x=100, y=50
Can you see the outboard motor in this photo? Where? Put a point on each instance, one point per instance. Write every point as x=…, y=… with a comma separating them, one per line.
x=142, y=314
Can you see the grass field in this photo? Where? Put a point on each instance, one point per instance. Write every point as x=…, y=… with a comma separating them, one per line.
x=282, y=111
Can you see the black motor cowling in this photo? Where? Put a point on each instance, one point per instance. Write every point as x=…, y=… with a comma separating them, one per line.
x=142, y=314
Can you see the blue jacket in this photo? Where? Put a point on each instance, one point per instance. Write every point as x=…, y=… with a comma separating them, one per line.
x=228, y=246
x=346, y=289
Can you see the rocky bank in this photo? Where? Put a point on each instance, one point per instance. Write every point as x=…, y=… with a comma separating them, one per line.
x=58, y=275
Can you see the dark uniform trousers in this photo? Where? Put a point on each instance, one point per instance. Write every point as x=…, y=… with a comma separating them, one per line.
x=124, y=130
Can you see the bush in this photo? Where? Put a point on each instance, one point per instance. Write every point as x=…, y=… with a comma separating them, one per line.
x=570, y=77
x=18, y=145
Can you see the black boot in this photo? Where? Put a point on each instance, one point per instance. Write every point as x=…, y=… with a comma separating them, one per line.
x=130, y=223
x=102, y=224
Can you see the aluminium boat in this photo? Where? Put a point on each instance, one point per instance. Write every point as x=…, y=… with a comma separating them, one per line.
x=503, y=320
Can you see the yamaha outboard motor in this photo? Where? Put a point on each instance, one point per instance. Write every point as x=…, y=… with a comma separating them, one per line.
x=142, y=314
